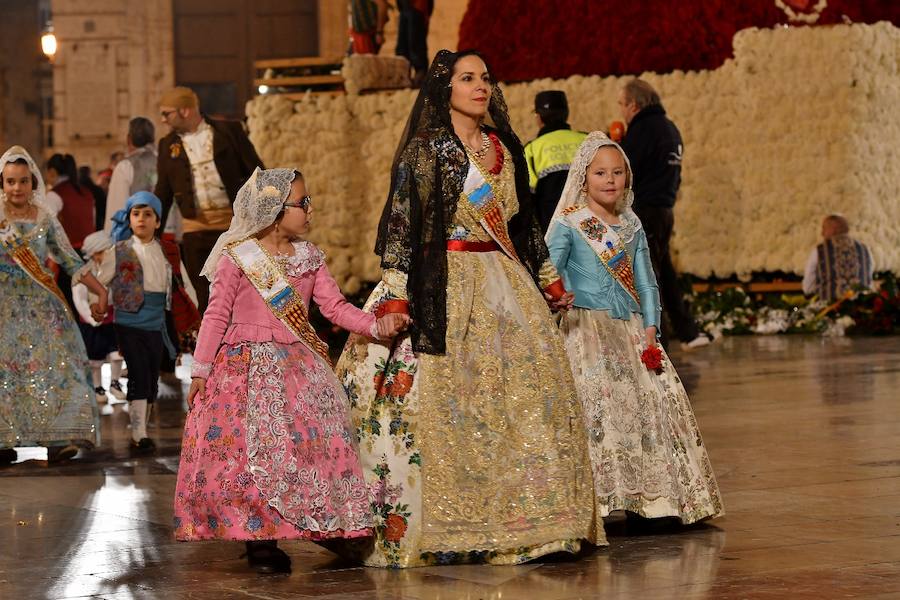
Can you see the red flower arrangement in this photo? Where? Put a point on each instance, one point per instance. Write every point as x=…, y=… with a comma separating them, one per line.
x=652, y=359
x=525, y=41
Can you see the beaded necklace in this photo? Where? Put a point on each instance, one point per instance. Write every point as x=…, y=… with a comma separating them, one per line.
x=485, y=146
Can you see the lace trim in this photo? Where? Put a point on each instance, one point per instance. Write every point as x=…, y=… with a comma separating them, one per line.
x=628, y=225
x=307, y=258
x=201, y=369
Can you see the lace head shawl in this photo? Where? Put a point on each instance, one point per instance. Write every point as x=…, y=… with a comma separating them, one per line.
x=12, y=155
x=573, y=193
x=427, y=177
x=259, y=202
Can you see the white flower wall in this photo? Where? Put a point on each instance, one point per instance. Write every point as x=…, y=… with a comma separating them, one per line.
x=803, y=122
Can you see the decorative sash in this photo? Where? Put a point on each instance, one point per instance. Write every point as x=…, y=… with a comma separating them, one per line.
x=606, y=244
x=272, y=283
x=480, y=194
x=25, y=257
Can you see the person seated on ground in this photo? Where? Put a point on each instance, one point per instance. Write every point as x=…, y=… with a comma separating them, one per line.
x=837, y=265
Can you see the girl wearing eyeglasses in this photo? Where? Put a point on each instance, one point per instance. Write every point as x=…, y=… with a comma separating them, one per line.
x=269, y=451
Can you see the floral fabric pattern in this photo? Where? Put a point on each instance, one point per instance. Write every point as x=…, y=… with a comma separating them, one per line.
x=269, y=453
x=45, y=394
x=646, y=451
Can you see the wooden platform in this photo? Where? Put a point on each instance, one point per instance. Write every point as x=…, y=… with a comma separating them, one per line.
x=296, y=76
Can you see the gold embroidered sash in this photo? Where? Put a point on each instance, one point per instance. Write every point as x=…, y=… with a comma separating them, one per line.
x=606, y=244
x=480, y=194
x=283, y=300
x=25, y=257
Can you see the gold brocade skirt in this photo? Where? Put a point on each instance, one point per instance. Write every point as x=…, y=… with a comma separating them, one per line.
x=478, y=455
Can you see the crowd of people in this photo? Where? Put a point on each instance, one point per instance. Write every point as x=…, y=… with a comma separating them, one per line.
x=504, y=387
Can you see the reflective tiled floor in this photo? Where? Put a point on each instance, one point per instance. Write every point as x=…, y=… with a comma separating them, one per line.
x=804, y=434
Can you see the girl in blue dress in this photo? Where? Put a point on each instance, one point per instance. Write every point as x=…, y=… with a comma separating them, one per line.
x=46, y=398
x=645, y=448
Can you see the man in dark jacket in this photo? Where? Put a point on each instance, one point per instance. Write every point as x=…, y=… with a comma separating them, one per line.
x=654, y=147
x=201, y=165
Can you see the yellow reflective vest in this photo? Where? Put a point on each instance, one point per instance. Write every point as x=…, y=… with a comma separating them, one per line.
x=551, y=152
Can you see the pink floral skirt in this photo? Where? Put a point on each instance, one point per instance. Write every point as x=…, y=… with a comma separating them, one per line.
x=269, y=452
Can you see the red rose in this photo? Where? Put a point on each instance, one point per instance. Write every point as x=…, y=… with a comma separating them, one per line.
x=402, y=384
x=878, y=305
x=652, y=359
x=394, y=528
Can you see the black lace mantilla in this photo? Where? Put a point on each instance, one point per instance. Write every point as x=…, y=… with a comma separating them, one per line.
x=427, y=178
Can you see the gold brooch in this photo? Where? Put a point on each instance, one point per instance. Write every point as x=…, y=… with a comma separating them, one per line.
x=175, y=150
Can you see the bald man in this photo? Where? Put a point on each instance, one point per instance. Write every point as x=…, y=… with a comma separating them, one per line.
x=201, y=165
x=837, y=265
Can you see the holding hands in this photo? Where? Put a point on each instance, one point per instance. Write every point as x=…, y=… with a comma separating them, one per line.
x=99, y=309
x=391, y=324
x=563, y=303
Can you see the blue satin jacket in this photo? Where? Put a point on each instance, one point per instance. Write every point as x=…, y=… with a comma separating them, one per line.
x=593, y=286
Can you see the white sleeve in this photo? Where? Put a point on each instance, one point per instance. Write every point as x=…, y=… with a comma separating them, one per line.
x=82, y=303
x=119, y=186
x=54, y=202
x=810, y=284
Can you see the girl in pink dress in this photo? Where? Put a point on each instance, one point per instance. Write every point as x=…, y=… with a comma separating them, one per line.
x=269, y=452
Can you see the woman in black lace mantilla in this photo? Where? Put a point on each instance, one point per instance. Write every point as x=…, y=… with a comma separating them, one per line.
x=471, y=435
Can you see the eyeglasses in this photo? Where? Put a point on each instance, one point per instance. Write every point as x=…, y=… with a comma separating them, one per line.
x=167, y=113
x=304, y=203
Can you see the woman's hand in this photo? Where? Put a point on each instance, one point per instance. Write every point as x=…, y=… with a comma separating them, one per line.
x=198, y=387
x=650, y=336
x=391, y=324
x=562, y=304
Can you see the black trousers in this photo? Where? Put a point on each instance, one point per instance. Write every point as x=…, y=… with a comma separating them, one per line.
x=412, y=38
x=195, y=248
x=658, y=222
x=143, y=351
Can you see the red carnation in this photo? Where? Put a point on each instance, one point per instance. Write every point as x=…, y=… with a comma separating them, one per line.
x=652, y=359
x=394, y=528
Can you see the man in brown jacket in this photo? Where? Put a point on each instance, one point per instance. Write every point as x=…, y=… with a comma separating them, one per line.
x=201, y=165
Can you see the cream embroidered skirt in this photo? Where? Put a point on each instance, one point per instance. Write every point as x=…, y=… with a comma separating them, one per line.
x=646, y=451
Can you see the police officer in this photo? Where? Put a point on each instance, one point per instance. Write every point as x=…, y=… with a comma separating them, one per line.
x=550, y=153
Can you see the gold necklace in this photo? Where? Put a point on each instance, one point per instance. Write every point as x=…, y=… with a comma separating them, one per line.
x=16, y=214
x=485, y=146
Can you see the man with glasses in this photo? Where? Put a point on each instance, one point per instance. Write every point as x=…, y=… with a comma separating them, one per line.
x=202, y=163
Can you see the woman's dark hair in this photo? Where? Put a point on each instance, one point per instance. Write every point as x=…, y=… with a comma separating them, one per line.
x=22, y=161
x=141, y=132
x=64, y=164
x=84, y=176
x=431, y=149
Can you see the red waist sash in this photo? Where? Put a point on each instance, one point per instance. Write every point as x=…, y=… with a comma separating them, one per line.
x=464, y=246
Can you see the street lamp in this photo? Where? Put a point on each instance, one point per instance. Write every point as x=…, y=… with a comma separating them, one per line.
x=48, y=42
